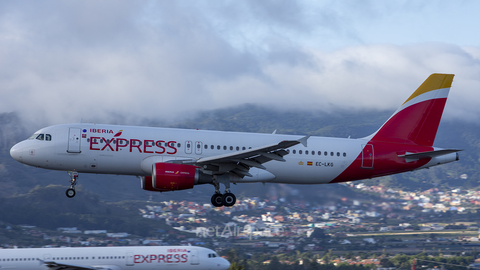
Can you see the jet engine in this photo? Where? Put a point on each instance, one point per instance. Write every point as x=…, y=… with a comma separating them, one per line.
x=171, y=176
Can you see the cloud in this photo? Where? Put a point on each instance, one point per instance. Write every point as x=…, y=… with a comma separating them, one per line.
x=64, y=61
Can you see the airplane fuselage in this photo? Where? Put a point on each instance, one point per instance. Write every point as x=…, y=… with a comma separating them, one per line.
x=114, y=258
x=90, y=148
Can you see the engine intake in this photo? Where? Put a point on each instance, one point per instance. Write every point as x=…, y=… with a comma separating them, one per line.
x=171, y=176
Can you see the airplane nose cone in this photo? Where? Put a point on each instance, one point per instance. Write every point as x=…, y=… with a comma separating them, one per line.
x=17, y=152
x=224, y=264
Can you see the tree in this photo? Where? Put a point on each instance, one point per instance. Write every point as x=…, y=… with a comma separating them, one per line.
x=319, y=233
x=236, y=266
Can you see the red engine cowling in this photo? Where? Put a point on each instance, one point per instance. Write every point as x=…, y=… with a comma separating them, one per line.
x=171, y=176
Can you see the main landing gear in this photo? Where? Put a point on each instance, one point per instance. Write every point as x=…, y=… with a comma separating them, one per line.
x=73, y=182
x=218, y=199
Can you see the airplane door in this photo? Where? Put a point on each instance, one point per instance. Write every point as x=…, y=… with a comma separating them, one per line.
x=129, y=257
x=74, y=135
x=194, y=257
x=198, y=148
x=188, y=147
x=367, y=156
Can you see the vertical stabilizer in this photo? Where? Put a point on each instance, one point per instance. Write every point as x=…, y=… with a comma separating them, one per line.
x=417, y=120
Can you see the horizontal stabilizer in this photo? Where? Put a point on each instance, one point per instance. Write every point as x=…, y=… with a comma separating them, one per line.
x=430, y=154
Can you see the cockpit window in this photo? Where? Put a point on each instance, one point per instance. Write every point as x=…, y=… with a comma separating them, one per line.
x=41, y=137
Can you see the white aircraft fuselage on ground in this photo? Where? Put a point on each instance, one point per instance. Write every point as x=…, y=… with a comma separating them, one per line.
x=169, y=159
x=114, y=258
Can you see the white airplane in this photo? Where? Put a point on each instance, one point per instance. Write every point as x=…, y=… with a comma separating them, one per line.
x=168, y=159
x=112, y=258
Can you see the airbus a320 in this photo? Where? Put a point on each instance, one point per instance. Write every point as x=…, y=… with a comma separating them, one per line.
x=112, y=258
x=169, y=159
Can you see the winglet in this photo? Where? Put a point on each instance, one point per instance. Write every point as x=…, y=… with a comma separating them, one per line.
x=303, y=140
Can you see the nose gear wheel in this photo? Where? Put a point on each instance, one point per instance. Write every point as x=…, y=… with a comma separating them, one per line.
x=73, y=182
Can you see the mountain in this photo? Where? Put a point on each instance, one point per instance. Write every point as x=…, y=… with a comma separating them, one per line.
x=17, y=179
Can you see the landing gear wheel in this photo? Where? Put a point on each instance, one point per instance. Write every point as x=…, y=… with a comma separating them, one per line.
x=70, y=193
x=73, y=182
x=217, y=200
x=229, y=199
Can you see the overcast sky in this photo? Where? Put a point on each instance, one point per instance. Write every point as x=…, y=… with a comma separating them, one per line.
x=62, y=61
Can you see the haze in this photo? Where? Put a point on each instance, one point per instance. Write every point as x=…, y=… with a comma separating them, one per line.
x=62, y=61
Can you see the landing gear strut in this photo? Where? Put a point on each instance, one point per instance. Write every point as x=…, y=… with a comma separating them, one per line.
x=73, y=182
x=218, y=199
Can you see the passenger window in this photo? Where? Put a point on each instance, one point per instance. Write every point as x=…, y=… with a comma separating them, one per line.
x=206, y=146
x=231, y=147
x=300, y=152
x=188, y=145
x=325, y=153
x=48, y=137
x=338, y=154
x=313, y=153
x=344, y=154
x=243, y=148
x=224, y=147
x=212, y=146
x=40, y=137
x=179, y=145
x=331, y=154
x=294, y=151
x=198, y=146
x=238, y=148
x=306, y=152
x=218, y=147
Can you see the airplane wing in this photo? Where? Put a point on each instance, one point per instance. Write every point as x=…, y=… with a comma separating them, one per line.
x=240, y=162
x=62, y=266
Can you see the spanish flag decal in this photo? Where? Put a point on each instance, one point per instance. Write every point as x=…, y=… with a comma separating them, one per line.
x=309, y=163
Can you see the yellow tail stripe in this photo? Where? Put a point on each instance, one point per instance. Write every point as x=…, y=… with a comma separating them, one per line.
x=433, y=82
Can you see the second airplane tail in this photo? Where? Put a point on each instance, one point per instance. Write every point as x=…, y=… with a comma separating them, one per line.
x=417, y=120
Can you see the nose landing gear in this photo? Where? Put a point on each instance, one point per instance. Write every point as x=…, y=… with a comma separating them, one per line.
x=73, y=182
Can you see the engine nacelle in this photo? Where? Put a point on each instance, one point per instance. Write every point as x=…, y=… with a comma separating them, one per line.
x=171, y=176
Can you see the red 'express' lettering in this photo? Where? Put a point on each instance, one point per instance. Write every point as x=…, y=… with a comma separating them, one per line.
x=149, y=146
